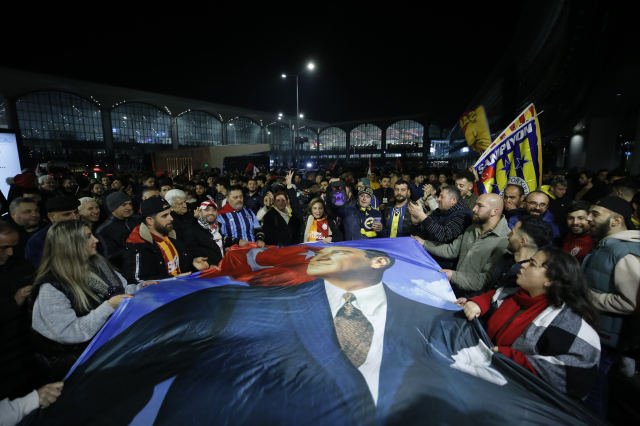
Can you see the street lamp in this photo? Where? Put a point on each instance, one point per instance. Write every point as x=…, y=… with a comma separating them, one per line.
x=310, y=67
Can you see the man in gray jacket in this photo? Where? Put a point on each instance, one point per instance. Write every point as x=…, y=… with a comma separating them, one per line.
x=478, y=249
x=613, y=270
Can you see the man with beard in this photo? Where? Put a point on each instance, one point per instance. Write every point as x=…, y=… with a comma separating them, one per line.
x=399, y=217
x=252, y=199
x=69, y=186
x=578, y=241
x=537, y=204
x=117, y=186
x=152, y=251
x=478, y=250
x=204, y=239
x=558, y=201
x=613, y=272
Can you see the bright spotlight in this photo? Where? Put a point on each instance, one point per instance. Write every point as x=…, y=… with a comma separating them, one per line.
x=280, y=114
x=284, y=76
x=308, y=164
x=301, y=115
x=311, y=66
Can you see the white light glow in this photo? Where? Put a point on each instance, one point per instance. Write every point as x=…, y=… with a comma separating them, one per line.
x=311, y=66
x=284, y=76
x=301, y=115
x=308, y=164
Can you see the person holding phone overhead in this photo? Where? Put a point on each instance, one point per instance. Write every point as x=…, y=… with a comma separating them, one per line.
x=360, y=221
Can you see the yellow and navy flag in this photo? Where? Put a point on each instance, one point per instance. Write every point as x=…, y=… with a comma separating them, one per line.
x=514, y=157
x=475, y=127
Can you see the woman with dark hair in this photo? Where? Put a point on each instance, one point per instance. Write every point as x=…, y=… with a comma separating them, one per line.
x=547, y=323
x=75, y=292
x=317, y=226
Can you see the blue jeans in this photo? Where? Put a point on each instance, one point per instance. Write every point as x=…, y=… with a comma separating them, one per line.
x=598, y=399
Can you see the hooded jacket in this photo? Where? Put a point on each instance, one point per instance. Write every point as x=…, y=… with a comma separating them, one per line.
x=478, y=255
x=142, y=259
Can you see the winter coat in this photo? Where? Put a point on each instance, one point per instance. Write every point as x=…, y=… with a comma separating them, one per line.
x=199, y=243
x=277, y=232
x=182, y=222
x=142, y=259
x=112, y=236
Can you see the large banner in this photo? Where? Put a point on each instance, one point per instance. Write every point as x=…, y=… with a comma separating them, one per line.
x=354, y=333
x=515, y=157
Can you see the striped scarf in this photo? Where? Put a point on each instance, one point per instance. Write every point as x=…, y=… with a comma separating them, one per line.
x=214, y=231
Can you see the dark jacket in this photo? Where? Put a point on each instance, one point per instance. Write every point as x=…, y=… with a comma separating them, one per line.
x=407, y=225
x=112, y=236
x=336, y=235
x=506, y=273
x=254, y=202
x=444, y=226
x=35, y=246
x=277, y=232
x=383, y=193
x=548, y=218
x=182, y=222
x=199, y=243
x=142, y=259
x=17, y=375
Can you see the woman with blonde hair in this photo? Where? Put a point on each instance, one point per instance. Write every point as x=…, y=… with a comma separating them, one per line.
x=75, y=292
x=317, y=226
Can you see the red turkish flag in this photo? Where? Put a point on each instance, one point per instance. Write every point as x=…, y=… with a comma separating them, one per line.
x=398, y=164
x=488, y=174
x=268, y=266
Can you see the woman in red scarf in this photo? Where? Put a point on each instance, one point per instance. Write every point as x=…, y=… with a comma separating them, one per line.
x=546, y=324
x=317, y=226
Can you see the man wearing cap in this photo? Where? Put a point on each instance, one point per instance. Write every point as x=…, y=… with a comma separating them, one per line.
x=613, y=271
x=113, y=233
x=204, y=239
x=152, y=251
x=59, y=209
x=360, y=221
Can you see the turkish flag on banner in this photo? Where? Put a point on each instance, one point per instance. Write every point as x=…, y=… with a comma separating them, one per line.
x=398, y=164
x=252, y=168
x=266, y=266
x=488, y=174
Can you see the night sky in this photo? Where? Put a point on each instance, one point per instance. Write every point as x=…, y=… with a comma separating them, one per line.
x=370, y=62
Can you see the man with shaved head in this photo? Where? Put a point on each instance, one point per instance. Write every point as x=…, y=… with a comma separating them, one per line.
x=478, y=249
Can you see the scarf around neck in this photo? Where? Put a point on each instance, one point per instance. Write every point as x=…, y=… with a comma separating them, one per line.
x=214, y=231
x=104, y=281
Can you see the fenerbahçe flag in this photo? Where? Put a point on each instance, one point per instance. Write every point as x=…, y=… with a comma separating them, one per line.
x=354, y=333
x=514, y=157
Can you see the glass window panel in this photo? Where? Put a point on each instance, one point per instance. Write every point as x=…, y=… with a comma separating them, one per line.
x=197, y=128
x=405, y=134
x=333, y=139
x=138, y=123
x=242, y=131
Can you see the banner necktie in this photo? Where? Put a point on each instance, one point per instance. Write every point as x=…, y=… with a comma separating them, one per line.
x=354, y=330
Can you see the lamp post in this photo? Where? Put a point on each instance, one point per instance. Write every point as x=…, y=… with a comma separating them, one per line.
x=310, y=66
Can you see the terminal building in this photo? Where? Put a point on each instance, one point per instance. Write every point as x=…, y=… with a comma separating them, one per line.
x=82, y=122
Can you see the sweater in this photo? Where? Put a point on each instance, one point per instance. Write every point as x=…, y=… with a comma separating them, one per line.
x=578, y=246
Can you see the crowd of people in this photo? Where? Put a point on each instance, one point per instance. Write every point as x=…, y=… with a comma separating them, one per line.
x=553, y=274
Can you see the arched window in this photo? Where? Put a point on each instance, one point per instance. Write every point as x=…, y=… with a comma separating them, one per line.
x=366, y=137
x=312, y=136
x=242, y=131
x=197, y=128
x=405, y=133
x=60, y=125
x=279, y=137
x=333, y=139
x=140, y=123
